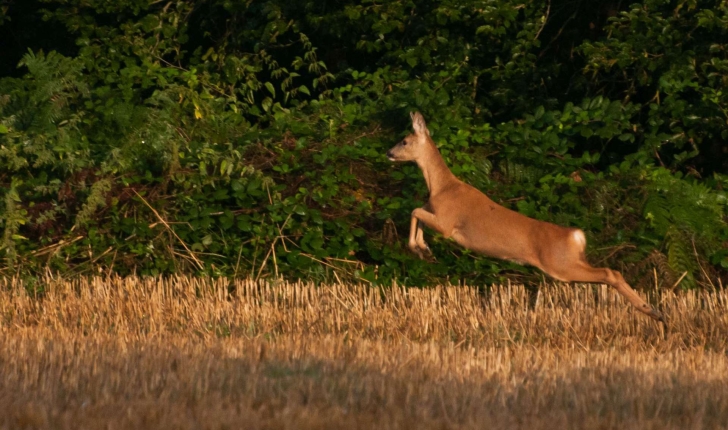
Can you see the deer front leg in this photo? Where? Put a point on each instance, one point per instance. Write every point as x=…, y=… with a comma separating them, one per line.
x=420, y=239
x=416, y=240
x=420, y=236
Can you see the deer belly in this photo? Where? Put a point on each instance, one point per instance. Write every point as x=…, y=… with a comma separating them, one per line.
x=493, y=245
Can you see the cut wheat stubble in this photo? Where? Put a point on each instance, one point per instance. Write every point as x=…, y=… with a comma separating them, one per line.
x=203, y=353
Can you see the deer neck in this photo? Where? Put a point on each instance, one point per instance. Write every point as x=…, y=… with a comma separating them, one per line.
x=437, y=175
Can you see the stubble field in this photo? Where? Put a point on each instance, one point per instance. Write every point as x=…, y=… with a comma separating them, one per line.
x=202, y=353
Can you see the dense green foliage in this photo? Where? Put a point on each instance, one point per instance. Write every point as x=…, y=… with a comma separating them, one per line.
x=234, y=138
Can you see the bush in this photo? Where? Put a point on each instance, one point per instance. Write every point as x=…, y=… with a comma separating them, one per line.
x=249, y=139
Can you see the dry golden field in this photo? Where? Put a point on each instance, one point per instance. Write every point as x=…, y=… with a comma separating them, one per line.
x=199, y=353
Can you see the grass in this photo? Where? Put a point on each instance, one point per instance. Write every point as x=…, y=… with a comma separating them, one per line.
x=202, y=353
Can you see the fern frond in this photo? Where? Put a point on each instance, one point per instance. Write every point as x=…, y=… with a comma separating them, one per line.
x=660, y=263
x=689, y=216
x=95, y=201
x=12, y=217
x=657, y=212
x=680, y=255
x=516, y=172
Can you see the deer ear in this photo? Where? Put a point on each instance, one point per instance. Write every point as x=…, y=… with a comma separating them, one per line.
x=418, y=123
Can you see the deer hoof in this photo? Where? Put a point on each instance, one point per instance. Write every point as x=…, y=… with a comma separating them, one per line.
x=424, y=253
x=654, y=314
x=427, y=255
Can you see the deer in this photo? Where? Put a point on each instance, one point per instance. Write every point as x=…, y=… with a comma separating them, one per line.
x=461, y=212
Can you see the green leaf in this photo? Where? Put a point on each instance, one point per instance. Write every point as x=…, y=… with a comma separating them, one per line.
x=270, y=88
x=626, y=136
x=3, y=129
x=539, y=112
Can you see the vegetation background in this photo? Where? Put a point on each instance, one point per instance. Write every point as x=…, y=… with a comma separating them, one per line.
x=219, y=137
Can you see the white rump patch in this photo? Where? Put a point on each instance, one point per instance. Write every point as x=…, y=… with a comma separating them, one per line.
x=578, y=237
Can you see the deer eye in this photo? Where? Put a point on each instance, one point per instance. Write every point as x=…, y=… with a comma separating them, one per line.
x=404, y=143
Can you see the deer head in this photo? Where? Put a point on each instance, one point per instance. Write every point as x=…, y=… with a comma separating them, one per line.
x=414, y=146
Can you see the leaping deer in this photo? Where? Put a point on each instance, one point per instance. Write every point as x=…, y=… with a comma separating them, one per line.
x=461, y=212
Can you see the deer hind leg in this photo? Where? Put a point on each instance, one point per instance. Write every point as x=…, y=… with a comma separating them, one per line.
x=583, y=272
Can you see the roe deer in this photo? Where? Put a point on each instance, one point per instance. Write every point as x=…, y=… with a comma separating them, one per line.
x=461, y=212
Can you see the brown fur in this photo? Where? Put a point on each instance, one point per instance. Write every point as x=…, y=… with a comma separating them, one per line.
x=461, y=212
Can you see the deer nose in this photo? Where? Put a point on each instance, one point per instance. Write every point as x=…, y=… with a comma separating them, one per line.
x=389, y=154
